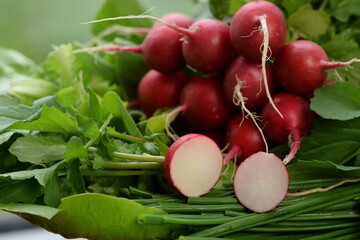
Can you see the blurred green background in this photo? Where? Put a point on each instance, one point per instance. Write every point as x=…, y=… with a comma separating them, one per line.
x=33, y=26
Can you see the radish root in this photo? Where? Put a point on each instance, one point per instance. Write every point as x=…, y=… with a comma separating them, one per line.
x=264, y=58
x=239, y=100
x=294, y=140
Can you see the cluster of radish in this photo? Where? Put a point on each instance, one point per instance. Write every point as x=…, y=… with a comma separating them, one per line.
x=247, y=84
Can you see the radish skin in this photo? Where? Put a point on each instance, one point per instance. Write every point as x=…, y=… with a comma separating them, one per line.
x=261, y=182
x=193, y=164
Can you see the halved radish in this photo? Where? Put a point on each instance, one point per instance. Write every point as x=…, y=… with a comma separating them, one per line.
x=261, y=182
x=193, y=164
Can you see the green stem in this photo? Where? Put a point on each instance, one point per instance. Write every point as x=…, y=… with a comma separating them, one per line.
x=128, y=156
x=117, y=173
x=332, y=234
x=101, y=130
x=182, y=208
x=183, y=220
x=113, y=133
x=133, y=165
x=213, y=200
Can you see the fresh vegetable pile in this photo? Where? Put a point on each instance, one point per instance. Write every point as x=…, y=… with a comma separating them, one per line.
x=232, y=123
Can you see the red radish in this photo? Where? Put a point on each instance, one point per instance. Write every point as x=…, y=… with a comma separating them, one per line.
x=247, y=30
x=296, y=122
x=206, y=45
x=261, y=182
x=162, y=47
x=243, y=138
x=301, y=67
x=203, y=103
x=193, y=165
x=249, y=75
x=157, y=90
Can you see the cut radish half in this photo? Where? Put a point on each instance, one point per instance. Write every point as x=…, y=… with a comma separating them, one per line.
x=261, y=182
x=193, y=164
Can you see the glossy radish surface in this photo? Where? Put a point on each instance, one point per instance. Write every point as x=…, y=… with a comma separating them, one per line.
x=206, y=46
x=261, y=182
x=252, y=86
x=193, y=164
x=246, y=30
x=158, y=90
x=243, y=138
x=204, y=104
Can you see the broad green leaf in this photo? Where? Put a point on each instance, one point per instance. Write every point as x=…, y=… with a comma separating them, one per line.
x=338, y=101
x=74, y=176
x=4, y=137
x=309, y=22
x=331, y=140
x=75, y=149
x=88, y=126
x=236, y=4
x=219, y=8
x=22, y=113
x=112, y=102
x=342, y=10
x=50, y=120
x=52, y=193
x=310, y=174
x=12, y=62
x=26, y=191
x=42, y=175
x=292, y=6
x=339, y=47
x=30, y=210
x=94, y=216
x=116, y=8
x=38, y=149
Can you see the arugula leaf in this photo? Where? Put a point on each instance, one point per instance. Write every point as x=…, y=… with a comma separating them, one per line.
x=338, y=101
x=21, y=113
x=302, y=21
x=30, y=210
x=331, y=140
x=74, y=176
x=26, y=191
x=342, y=10
x=38, y=149
x=52, y=193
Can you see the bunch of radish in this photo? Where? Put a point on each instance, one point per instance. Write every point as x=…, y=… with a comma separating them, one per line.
x=246, y=84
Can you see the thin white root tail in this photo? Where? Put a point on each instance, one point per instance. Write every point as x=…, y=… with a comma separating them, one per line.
x=239, y=100
x=264, y=58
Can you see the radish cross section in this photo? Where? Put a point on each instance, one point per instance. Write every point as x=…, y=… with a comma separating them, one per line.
x=261, y=182
x=193, y=164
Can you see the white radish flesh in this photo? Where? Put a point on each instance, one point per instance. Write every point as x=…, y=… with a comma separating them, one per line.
x=261, y=182
x=193, y=164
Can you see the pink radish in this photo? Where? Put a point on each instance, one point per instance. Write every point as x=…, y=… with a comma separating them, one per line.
x=203, y=103
x=206, y=45
x=193, y=165
x=296, y=122
x=261, y=182
x=249, y=75
x=243, y=138
x=162, y=47
x=248, y=26
x=153, y=83
x=301, y=67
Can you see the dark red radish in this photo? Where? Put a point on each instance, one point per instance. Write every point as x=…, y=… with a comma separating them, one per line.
x=203, y=103
x=206, y=45
x=247, y=30
x=296, y=121
x=162, y=46
x=158, y=90
x=302, y=66
x=261, y=182
x=243, y=138
x=193, y=165
x=249, y=75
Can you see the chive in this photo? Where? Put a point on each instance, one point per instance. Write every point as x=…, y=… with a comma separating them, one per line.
x=274, y=228
x=183, y=220
x=332, y=234
x=213, y=200
x=318, y=201
x=322, y=215
x=156, y=201
x=178, y=208
x=139, y=192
